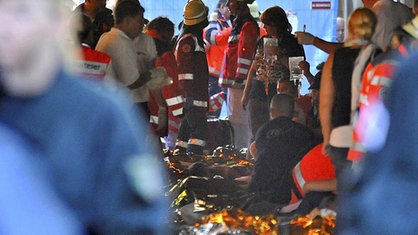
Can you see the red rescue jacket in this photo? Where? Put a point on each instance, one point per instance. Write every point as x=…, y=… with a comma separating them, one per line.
x=240, y=50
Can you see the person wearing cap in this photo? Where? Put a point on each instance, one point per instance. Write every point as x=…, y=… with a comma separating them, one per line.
x=192, y=68
x=255, y=12
x=236, y=65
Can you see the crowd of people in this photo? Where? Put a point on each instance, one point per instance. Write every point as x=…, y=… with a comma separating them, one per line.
x=90, y=102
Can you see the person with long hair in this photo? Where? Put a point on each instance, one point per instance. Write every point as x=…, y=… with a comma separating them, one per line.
x=335, y=94
x=262, y=81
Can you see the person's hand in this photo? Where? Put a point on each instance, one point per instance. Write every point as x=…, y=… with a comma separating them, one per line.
x=325, y=148
x=304, y=38
x=162, y=120
x=245, y=178
x=159, y=78
x=305, y=66
x=244, y=102
x=306, y=188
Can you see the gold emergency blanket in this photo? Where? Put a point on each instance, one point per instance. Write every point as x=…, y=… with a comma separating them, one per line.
x=239, y=220
x=317, y=226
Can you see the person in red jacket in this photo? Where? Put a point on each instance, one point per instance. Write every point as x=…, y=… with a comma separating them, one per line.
x=165, y=119
x=314, y=172
x=192, y=70
x=236, y=64
x=376, y=80
x=216, y=38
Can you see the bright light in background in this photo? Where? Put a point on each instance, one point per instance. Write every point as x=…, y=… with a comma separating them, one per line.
x=110, y=4
x=76, y=2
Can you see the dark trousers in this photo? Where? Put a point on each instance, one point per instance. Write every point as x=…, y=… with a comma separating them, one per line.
x=213, y=85
x=214, y=88
x=194, y=126
x=258, y=115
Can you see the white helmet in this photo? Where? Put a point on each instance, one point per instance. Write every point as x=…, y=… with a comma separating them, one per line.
x=254, y=9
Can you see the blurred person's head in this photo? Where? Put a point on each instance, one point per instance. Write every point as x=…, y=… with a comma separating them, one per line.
x=95, y=5
x=406, y=35
x=83, y=28
x=223, y=9
x=285, y=86
x=282, y=105
x=275, y=21
x=415, y=7
x=361, y=24
x=106, y=18
x=34, y=44
x=129, y=17
x=340, y=29
x=161, y=28
x=369, y=3
x=236, y=6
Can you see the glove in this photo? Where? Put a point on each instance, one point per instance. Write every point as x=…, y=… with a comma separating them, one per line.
x=159, y=78
x=304, y=38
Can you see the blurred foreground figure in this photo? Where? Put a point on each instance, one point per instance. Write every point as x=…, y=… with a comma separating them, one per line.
x=89, y=137
x=384, y=200
x=26, y=192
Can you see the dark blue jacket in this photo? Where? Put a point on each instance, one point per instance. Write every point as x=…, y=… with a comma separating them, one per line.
x=88, y=134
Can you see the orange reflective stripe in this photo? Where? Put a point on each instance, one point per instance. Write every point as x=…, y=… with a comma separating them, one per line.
x=182, y=144
x=198, y=142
